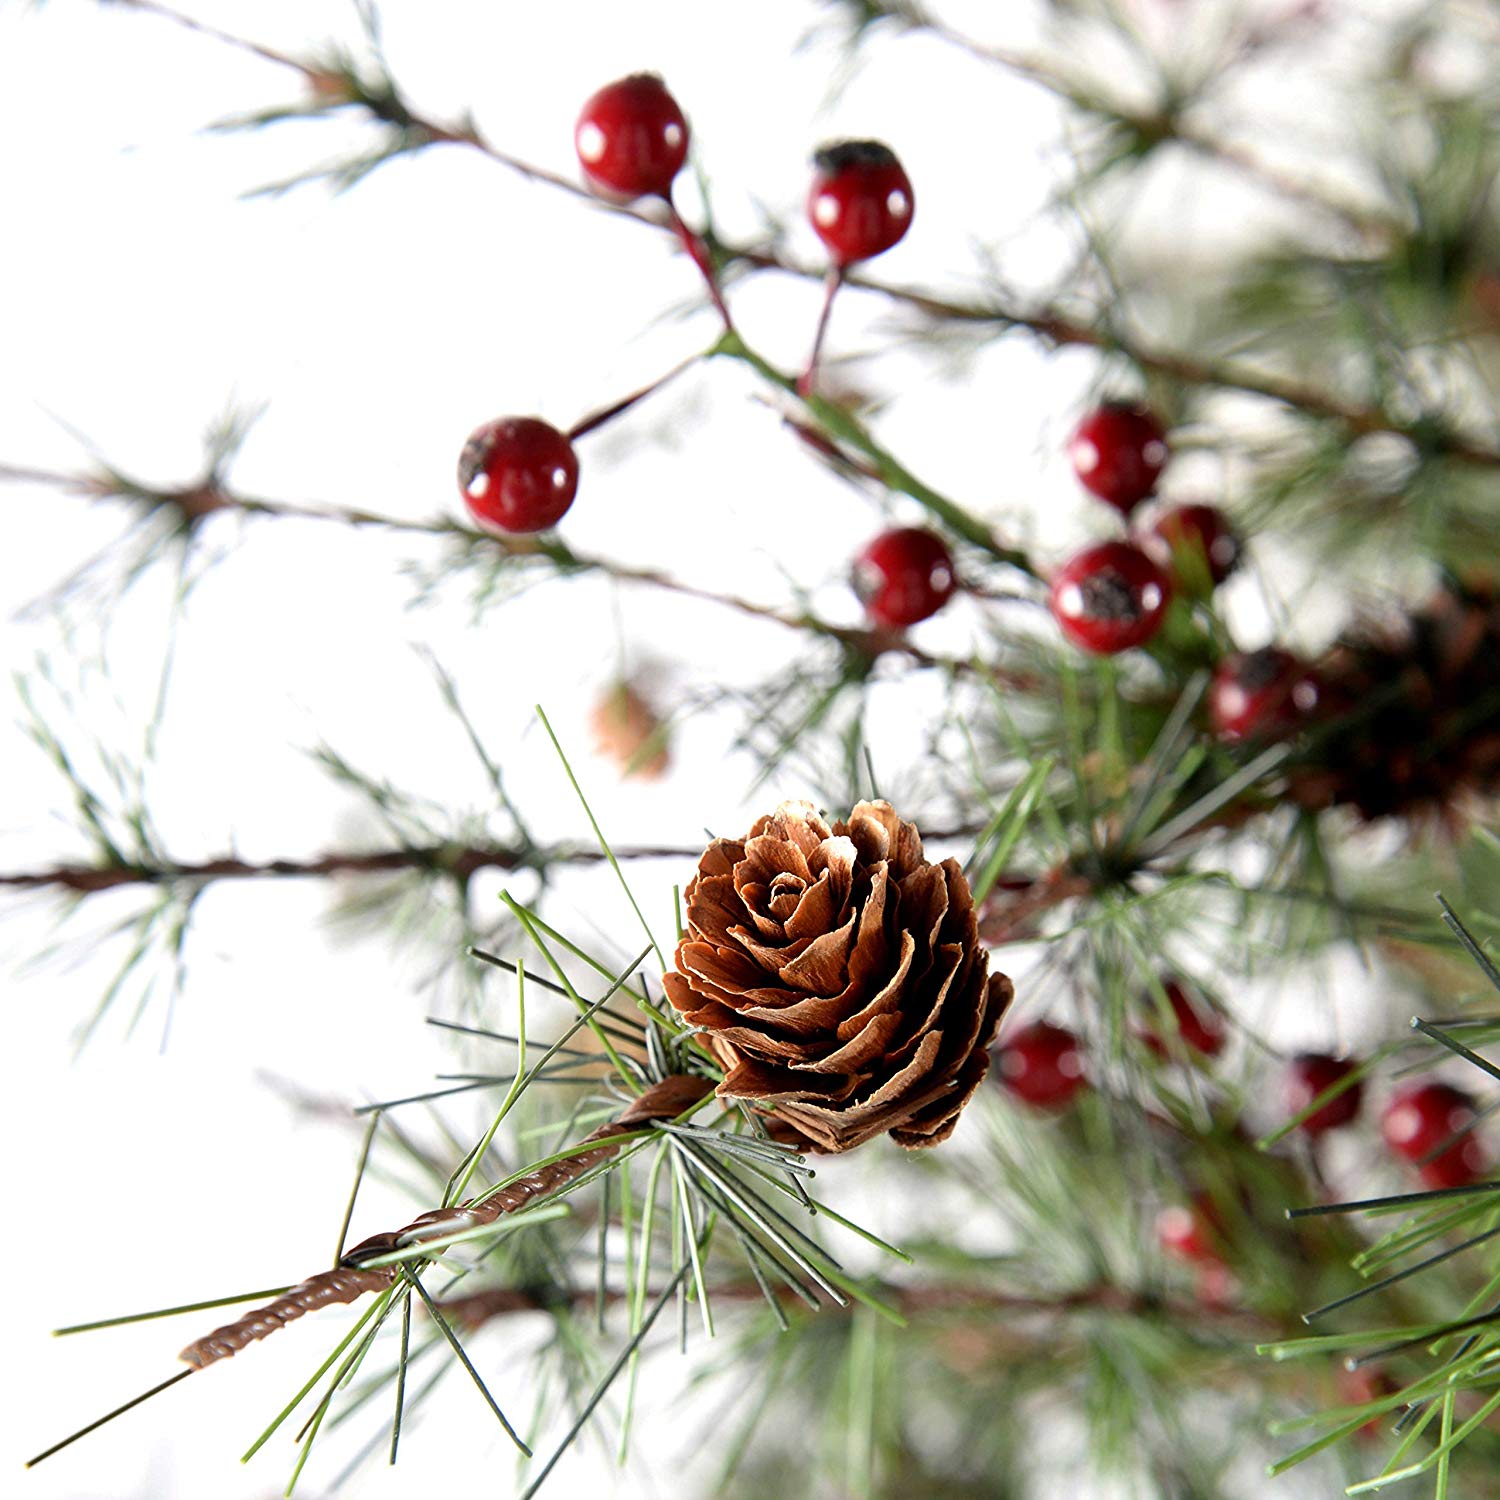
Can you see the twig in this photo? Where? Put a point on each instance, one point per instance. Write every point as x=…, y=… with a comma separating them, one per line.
x=354, y=1276
x=853, y=638
x=1363, y=219
x=479, y=1308
x=459, y=860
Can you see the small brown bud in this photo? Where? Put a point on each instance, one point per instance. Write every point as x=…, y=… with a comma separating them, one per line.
x=627, y=731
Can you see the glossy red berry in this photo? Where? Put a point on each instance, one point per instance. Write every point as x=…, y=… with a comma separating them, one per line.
x=632, y=138
x=904, y=576
x=1043, y=1065
x=1190, y=1231
x=518, y=474
x=1416, y=1122
x=1308, y=1075
x=1109, y=598
x=861, y=201
x=1198, y=1027
x=1258, y=695
x=1118, y=452
x=1195, y=545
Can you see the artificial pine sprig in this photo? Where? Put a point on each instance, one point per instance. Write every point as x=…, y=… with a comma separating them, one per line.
x=1162, y=848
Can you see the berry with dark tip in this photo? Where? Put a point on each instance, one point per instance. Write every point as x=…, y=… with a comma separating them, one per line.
x=861, y=200
x=1258, y=695
x=1109, y=598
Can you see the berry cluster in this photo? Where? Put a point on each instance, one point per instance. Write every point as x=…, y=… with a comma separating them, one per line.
x=1260, y=695
x=1428, y=1124
x=1115, y=595
x=1111, y=597
x=519, y=474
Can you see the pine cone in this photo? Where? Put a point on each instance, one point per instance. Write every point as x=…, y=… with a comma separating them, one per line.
x=839, y=978
x=1413, y=719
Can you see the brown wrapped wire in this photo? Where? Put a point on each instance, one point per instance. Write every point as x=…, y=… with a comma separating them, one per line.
x=349, y=1280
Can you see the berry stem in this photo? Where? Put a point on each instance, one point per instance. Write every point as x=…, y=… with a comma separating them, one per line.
x=830, y=291
x=846, y=428
x=697, y=250
x=606, y=414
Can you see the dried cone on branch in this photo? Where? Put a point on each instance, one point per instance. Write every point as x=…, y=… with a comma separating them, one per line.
x=1414, y=718
x=839, y=978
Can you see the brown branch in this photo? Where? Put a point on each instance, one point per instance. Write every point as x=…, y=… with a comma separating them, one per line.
x=200, y=500
x=497, y=1302
x=351, y=1279
x=459, y=860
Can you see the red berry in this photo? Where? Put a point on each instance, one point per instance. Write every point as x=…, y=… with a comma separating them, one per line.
x=1419, y=1118
x=1118, y=452
x=1362, y=1385
x=1109, y=598
x=1190, y=1231
x=1200, y=1030
x=904, y=576
x=1043, y=1065
x=1307, y=1076
x=1260, y=694
x=518, y=474
x=1195, y=544
x=632, y=138
x=861, y=201
x=1463, y=1165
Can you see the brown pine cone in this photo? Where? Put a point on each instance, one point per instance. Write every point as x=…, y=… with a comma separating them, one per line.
x=839, y=978
x=1411, y=720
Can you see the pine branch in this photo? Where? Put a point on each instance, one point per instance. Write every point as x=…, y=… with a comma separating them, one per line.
x=376, y=1263
x=1427, y=430
x=460, y=861
x=1367, y=220
x=859, y=641
x=457, y=860
x=479, y=1308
